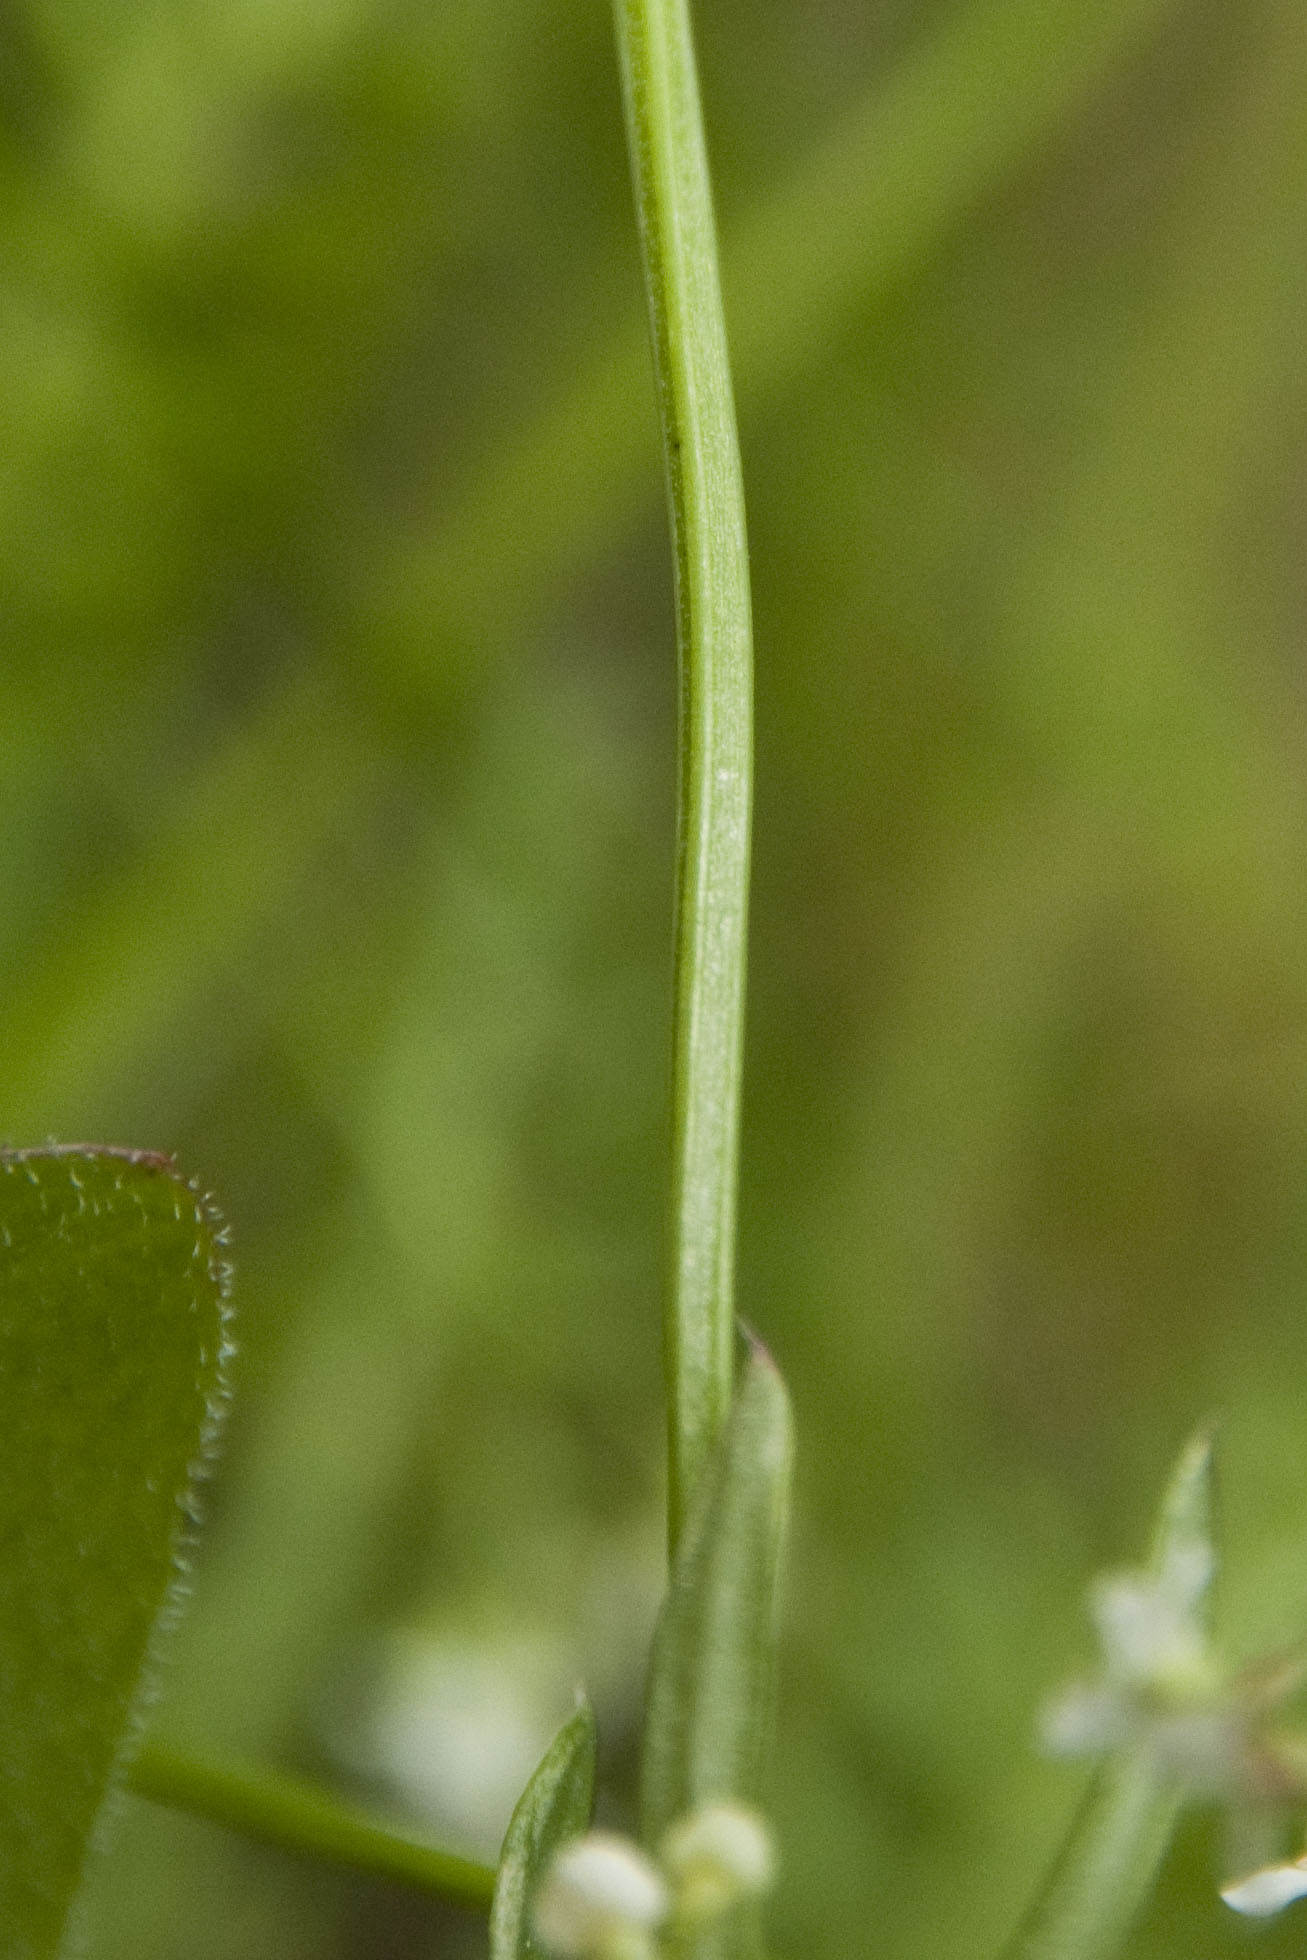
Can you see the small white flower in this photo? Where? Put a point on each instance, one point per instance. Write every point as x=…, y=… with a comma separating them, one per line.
x=1150, y=1623
x=601, y=1899
x=1161, y=1692
x=1268, y=1890
x=717, y=1855
x=1163, y=1695
x=1160, y=1687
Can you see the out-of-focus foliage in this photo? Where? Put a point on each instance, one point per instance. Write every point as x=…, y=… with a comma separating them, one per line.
x=336, y=721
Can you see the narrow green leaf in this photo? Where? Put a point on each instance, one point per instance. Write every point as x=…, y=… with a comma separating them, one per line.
x=712, y=1676
x=112, y=1349
x=1119, y=1837
x=555, y=1806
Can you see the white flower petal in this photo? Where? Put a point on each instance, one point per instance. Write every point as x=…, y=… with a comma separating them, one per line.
x=1149, y=1628
x=1268, y=1890
x=1084, y=1720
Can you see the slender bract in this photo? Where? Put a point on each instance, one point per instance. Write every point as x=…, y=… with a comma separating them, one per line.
x=1185, y=1514
x=554, y=1807
x=712, y=1676
x=701, y=450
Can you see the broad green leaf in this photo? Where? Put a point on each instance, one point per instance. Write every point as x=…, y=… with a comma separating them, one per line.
x=1119, y=1837
x=712, y=1676
x=112, y=1348
x=555, y=1806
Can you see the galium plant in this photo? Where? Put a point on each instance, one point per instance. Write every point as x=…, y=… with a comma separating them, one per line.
x=113, y=1357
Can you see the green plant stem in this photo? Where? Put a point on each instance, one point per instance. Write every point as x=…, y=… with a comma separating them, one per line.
x=705, y=491
x=1107, y=1867
x=867, y=202
x=296, y=1816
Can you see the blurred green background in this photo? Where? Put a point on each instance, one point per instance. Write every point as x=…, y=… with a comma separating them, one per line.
x=337, y=733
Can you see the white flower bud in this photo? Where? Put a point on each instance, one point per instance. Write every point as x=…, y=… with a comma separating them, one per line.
x=600, y=1899
x=1268, y=1890
x=717, y=1855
